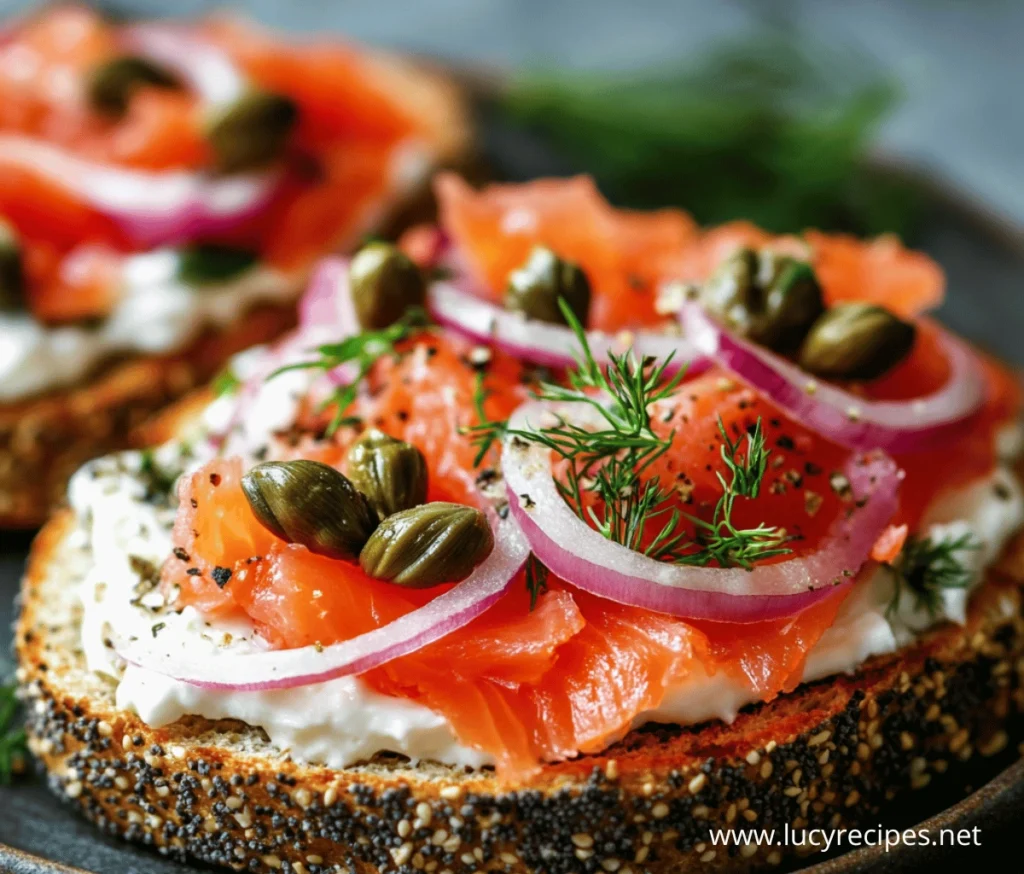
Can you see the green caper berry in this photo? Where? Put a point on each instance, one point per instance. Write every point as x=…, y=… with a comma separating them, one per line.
x=12, y=275
x=426, y=545
x=111, y=84
x=391, y=473
x=385, y=283
x=769, y=298
x=252, y=131
x=310, y=503
x=856, y=341
x=535, y=288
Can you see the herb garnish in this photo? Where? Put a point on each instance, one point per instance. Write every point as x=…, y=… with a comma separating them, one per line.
x=226, y=382
x=609, y=463
x=159, y=481
x=486, y=432
x=926, y=567
x=362, y=350
x=536, y=578
x=13, y=748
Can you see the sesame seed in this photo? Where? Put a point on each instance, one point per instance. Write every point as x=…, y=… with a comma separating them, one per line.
x=766, y=769
x=708, y=856
x=641, y=855
x=451, y=793
x=315, y=860
x=104, y=728
x=660, y=810
x=698, y=783
x=509, y=858
x=423, y=814
x=303, y=797
x=584, y=841
x=753, y=757
x=611, y=864
x=402, y=854
x=330, y=796
x=272, y=861
x=404, y=828
x=73, y=789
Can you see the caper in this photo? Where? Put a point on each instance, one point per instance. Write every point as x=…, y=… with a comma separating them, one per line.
x=856, y=341
x=251, y=131
x=111, y=84
x=534, y=288
x=426, y=545
x=12, y=276
x=391, y=473
x=769, y=298
x=310, y=503
x=385, y=283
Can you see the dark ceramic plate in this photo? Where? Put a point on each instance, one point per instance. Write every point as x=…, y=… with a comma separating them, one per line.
x=984, y=260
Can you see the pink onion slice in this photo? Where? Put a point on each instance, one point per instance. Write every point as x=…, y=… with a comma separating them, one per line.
x=544, y=343
x=285, y=669
x=327, y=302
x=845, y=418
x=202, y=66
x=151, y=208
x=575, y=552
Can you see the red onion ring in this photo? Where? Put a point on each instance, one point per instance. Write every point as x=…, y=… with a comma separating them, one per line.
x=285, y=669
x=544, y=343
x=202, y=66
x=842, y=417
x=580, y=555
x=150, y=208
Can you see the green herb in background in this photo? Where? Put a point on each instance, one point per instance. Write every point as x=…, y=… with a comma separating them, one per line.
x=202, y=264
x=769, y=129
x=13, y=751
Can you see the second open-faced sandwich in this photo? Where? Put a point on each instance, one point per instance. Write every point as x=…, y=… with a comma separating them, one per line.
x=560, y=539
x=164, y=190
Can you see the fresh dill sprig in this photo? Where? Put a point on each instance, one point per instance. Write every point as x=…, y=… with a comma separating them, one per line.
x=486, y=432
x=363, y=350
x=536, y=578
x=226, y=382
x=926, y=567
x=720, y=539
x=610, y=463
x=13, y=748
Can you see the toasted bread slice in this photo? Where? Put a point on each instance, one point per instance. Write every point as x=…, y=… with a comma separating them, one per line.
x=834, y=753
x=45, y=438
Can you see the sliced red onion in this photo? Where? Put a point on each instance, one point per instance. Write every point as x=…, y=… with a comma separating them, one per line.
x=577, y=553
x=285, y=669
x=150, y=208
x=545, y=343
x=327, y=302
x=202, y=66
x=845, y=418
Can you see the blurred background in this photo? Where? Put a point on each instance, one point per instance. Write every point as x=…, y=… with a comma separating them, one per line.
x=808, y=86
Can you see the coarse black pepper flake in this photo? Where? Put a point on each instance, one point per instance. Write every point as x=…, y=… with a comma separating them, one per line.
x=221, y=576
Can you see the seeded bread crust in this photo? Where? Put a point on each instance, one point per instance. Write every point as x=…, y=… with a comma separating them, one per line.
x=834, y=753
x=45, y=438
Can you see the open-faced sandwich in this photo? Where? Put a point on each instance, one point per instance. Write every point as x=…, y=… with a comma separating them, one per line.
x=557, y=539
x=164, y=190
